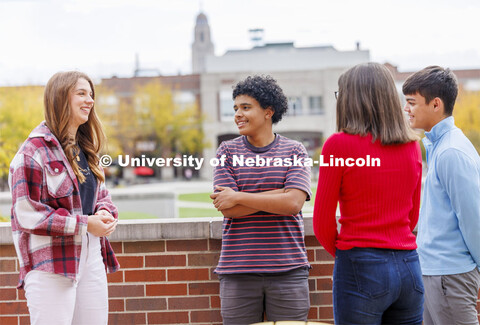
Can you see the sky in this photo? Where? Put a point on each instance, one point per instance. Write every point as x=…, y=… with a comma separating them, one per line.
x=102, y=37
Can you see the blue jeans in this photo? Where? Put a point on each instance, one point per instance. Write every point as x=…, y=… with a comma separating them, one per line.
x=377, y=286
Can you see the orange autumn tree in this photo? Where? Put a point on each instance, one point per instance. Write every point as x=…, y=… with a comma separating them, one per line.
x=173, y=127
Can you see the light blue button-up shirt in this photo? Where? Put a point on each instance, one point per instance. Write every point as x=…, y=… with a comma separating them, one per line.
x=449, y=225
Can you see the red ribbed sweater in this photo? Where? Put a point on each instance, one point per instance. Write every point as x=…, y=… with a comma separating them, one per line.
x=379, y=206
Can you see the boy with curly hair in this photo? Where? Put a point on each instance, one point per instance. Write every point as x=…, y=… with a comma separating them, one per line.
x=263, y=266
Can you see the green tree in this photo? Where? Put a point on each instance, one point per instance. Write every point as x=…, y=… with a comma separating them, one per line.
x=21, y=110
x=467, y=115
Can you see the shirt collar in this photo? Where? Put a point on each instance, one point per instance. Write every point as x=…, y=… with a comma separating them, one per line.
x=440, y=129
x=42, y=130
x=260, y=149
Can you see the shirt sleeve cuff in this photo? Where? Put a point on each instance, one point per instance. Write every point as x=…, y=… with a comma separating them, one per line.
x=82, y=223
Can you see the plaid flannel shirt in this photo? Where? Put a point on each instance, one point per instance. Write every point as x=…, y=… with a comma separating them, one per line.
x=47, y=219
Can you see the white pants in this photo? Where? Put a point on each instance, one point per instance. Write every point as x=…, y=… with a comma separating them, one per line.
x=55, y=299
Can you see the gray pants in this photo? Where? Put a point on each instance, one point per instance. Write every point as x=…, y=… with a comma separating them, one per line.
x=245, y=298
x=451, y=299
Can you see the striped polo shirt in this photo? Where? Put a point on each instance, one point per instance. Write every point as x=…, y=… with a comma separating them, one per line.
x=262, y=242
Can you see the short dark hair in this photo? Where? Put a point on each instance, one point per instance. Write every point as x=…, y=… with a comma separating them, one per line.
x=266, y=91
x=431, y=82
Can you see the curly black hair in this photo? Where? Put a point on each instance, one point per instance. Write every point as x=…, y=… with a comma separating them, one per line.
x=266, y=91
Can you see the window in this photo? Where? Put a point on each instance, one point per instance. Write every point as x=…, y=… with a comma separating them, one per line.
x=294, y=106
x=184, y=98
x=226, y=106
x=316, y=105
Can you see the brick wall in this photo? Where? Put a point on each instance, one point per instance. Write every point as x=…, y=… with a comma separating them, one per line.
x=165, y=282
x=166, y=275
x=168, y=280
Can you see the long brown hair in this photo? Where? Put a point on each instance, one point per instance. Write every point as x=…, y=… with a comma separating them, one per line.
x=90, y=136
x=368, y=102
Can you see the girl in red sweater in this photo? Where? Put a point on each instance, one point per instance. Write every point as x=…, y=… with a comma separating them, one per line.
x=374, y=170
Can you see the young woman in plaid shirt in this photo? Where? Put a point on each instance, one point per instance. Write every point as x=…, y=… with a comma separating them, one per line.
x=62, y=212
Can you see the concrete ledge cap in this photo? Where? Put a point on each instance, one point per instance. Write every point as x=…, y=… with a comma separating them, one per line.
x=155, y=229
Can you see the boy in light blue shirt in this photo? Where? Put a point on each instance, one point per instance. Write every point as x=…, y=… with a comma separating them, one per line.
x=449, y=224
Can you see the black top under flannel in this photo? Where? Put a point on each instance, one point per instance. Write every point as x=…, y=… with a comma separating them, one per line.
x=87, y=188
